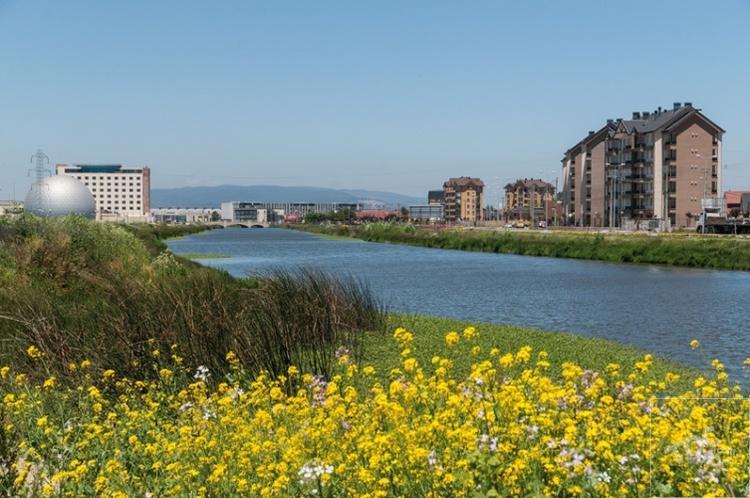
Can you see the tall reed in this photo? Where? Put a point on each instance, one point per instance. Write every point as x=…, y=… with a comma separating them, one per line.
x=80, y=290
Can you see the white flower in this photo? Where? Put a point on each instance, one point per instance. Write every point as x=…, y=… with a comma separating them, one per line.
x=202, y=373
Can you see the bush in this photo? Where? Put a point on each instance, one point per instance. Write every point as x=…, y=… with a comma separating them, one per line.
x=79, y=290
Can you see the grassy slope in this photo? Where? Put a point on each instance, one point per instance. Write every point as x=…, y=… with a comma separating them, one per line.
x=729, y=253
x=591, y=353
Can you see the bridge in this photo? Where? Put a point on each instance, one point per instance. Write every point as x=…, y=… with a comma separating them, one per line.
x=241, y=224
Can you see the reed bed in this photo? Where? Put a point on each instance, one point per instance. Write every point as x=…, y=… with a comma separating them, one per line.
x=79, y=291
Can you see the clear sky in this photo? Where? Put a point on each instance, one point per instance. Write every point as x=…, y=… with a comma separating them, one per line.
x=389, y=95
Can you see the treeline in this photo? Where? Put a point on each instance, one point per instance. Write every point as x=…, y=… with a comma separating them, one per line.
x=677, y=250
x=79, y=290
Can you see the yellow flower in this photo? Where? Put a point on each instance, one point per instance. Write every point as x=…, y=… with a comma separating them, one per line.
x=33, y=352
x=694, y=344
x=49, y=383
x=410, y=364
x=451, y=338
x=470, y=333
x=108, y=374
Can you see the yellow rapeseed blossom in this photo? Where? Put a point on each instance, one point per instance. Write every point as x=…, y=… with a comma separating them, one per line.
x=514, y=425
x=451, y=338
x=33, y=352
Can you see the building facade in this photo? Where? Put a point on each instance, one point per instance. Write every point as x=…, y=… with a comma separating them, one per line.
x=184, y=215
x=463, y=200
x=426, y=213
x=652, y=170
x=435, y=197
x=276, y=211
x=529, y=198
x=120, y=193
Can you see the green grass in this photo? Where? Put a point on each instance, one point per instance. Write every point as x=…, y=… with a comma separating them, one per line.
x=202, y=255
x=590, y=353
x=692, y=250
x=111, y=294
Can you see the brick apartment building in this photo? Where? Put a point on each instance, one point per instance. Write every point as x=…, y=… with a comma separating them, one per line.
x=463, y=199
x=657, y=166
x=524, y=195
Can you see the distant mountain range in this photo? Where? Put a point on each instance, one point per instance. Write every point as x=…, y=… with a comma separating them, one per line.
x=213, y=196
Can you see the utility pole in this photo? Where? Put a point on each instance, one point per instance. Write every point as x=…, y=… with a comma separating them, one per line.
x=40, y=161
x=557, y=222
x=532, y=201
x=546, y=204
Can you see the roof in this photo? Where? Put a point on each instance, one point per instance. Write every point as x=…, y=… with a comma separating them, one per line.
x=734, y=196
x=464, y=181
x=659, y=119
x=528, y=183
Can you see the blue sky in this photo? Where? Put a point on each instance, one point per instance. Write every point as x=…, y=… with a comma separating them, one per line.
x=387, y=95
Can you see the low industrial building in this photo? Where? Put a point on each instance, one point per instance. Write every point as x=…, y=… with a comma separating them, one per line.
x=11, y=208
x=427, y=213
x=271, y=212
x=185, y=215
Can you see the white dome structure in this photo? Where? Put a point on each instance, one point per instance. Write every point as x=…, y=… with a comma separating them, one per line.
x=60, y=195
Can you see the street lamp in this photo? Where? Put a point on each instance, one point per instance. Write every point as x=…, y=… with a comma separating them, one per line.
x=703, y=200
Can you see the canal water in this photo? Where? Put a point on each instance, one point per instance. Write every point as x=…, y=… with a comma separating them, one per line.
x=657, y=308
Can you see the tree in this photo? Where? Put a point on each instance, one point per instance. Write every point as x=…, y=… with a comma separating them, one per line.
x=215, y=216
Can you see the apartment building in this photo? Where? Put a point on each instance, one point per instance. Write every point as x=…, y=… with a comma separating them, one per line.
x=463, y=199
x=655, y=170
x=529, y=197
x=120, y=193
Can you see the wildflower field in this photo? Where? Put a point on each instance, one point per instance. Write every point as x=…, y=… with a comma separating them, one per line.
x=126, y=371
x=505, y=426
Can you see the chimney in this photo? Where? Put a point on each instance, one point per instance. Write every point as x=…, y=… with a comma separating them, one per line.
x=591, y=132
x=659, y=109
x=636, y=115
x=688, y=104
x=645, y=114
x=676, y=106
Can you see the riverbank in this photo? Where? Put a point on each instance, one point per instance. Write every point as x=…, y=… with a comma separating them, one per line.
x=197, y=392
x=687, y=250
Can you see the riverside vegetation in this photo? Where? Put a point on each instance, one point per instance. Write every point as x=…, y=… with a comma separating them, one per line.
x=729, y=253
x=185, y=396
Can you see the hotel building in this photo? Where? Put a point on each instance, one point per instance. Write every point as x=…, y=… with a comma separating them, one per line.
x=120, y=193
x=657, y=169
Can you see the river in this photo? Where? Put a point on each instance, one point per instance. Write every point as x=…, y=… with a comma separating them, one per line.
x=660, y=309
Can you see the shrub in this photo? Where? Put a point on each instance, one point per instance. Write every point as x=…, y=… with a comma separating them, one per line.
x=79, y=290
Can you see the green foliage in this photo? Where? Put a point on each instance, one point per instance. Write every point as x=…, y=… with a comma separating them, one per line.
x=588, y=352
x=342, y=215
x=678, y=250
x=82, y=290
